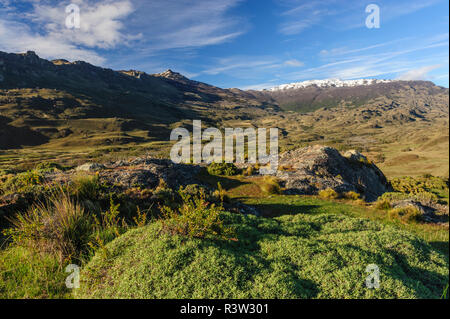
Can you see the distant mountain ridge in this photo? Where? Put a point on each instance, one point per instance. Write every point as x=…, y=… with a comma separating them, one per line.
x=328, y=83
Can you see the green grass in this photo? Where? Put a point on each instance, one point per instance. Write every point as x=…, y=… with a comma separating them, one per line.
x=25, y=274
x=437, y=236
x=292, y=256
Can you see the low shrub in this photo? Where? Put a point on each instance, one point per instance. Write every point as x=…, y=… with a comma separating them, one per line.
x=249, y=171
x=328, y=193
x=226, y=169
x=423, y=186
x=49, y=167
x=424, y=197
x=107, y=227
x=23, y=182
x=270, y=186
x=195, y=218
x=163, y=193
x=300, y=256
x=383, y=204
x=352, y=195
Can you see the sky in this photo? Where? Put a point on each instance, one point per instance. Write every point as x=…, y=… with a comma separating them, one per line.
x=248, y=44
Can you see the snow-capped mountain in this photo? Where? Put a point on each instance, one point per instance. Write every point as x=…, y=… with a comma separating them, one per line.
x=328, y=83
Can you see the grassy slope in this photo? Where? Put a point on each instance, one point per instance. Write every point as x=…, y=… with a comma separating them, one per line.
x=248, y=190
x=42, y=277
x=24, y=275
x=292, y=256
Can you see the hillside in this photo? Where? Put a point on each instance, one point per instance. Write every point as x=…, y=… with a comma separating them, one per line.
x=75, y=103
x=64, y=111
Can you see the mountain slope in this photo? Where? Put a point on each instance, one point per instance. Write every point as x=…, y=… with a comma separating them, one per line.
x=76, y=103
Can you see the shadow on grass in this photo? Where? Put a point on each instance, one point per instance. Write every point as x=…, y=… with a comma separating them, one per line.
x=441, y=246
x=226, y=182
x=275, y=210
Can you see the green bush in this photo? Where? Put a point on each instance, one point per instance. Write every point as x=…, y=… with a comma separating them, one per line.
x=328, y=193
x=292, y=256
x=194, y=218
x=383, y=203
x=270, y=186
x=421, y=197
x=352, y=195
x=49, y=167
x=406, y=214
x=423, y=186
x=226, y=169
x=107, y=227
x=23, y=182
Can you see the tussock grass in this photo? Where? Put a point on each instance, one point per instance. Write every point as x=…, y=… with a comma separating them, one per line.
x=60, y=227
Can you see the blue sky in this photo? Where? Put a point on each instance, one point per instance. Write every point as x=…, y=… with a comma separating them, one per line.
x=236, y=43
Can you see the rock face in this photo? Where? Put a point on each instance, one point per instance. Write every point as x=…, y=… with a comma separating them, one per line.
x=90, y=167
x=311, y=169
x=147, y=172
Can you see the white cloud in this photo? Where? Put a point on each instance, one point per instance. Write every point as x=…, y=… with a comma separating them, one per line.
x=16, y=37
x=241, y=66
x=418, y=74
x=143, y=28
x=294, y=63
x=101, y=24
x=301, y=16
x=175, y=24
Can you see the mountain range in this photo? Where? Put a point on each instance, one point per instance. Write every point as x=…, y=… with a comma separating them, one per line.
x=59, y=106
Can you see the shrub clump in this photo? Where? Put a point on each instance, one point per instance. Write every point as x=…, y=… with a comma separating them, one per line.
x=23, y=182
x=383, y=203
x=60, y=227
x=226, y=169
x=49, y=167
x=405, y=214
x=270, y=186
x=426, y=187
x=194, y=218
x=329, y=193
x=352, y=195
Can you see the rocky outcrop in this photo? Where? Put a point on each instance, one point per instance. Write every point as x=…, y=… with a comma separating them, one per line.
x=147, y=172
x=311, y=169
x=430, y=211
